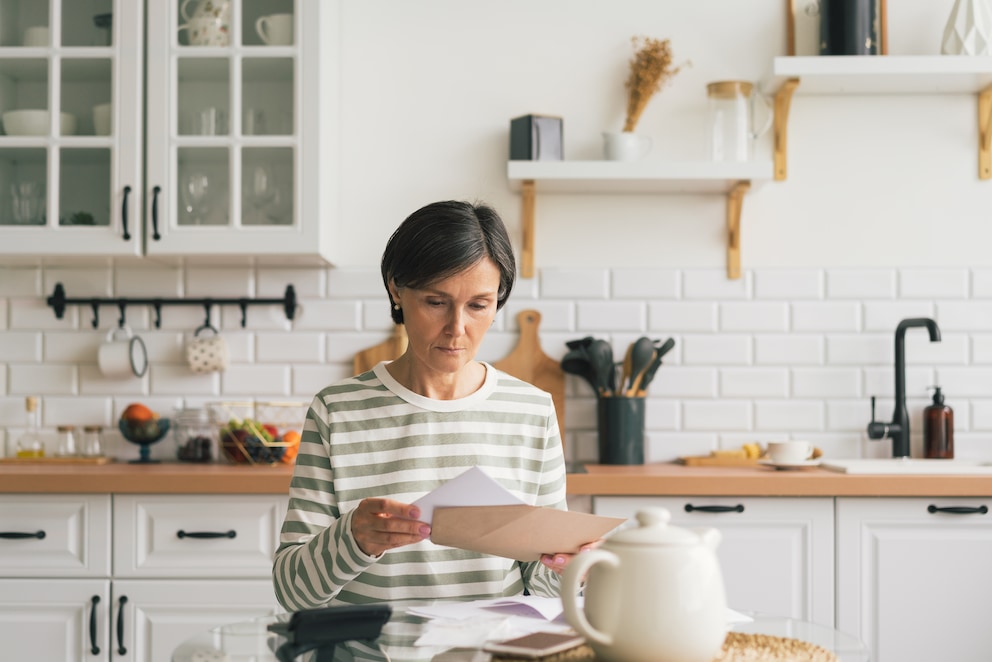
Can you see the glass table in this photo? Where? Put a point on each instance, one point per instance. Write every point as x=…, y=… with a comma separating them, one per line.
x=251, y=641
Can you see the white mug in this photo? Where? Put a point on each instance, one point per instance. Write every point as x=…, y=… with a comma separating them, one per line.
x=208, y=31
x=36, y=36
x=207, y=354
x=122, y=354
x=625, y=146
x=275, y=29
x=789, y=452
x=102, y=123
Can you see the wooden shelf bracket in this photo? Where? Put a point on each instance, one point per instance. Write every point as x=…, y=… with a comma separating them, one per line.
x=783, y=100
x=735, y=204
x=985, y=133
x=527, y=221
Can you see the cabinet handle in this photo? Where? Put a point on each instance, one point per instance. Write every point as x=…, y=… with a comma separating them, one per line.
x=155, y=191
x=959, y=510
x=20, y=535
x=206, y=534
x=94, y=601
x=120, y=625
x=739, y=508
x=127, y=193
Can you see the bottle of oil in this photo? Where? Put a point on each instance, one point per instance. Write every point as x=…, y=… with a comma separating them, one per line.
x=29, y=444
x=938, y=428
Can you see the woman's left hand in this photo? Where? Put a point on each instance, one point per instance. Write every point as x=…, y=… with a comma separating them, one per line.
x=557, y=562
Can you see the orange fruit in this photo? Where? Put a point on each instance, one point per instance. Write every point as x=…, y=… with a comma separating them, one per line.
x=138, y=413
x=292, y=437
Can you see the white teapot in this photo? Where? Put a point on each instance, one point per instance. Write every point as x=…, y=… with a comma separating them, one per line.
x=653, y=593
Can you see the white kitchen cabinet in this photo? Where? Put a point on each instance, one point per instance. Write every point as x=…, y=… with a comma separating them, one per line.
x=80, y=573
x=212, y=151
x=776, y=554
x=913, y=582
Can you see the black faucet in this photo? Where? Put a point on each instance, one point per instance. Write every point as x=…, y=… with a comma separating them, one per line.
x=898, y=429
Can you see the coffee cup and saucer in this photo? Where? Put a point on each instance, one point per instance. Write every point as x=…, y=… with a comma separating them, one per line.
x=789, y=455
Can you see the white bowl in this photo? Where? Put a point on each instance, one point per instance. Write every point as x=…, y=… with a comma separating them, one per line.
x=35, y=123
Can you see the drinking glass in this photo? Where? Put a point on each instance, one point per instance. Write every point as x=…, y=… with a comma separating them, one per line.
x=27, y=199
x=261, y=192
x=194, y=190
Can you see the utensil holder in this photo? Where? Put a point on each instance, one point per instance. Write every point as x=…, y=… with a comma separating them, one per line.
x=621, y=430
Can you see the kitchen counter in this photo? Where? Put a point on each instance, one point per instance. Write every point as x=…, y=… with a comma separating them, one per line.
x=653, y=479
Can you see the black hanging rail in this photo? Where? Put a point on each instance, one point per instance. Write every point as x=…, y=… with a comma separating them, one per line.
x=58, y=301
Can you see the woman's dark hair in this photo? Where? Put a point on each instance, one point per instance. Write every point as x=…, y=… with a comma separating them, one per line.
x=443, y=239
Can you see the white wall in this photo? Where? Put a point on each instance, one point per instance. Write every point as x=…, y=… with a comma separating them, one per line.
x=882, y=217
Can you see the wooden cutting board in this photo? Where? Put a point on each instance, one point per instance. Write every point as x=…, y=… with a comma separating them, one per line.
x=528, y=362
x=388, y=350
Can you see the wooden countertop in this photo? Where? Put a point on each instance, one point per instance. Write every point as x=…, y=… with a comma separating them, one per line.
x=602, y=480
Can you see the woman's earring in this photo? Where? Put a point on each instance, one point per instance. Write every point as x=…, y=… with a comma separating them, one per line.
x=396, y=306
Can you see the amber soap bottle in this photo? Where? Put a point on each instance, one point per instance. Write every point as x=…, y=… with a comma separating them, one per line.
x=938, y=428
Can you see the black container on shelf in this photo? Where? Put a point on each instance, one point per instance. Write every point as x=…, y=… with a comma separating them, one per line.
x=536, y=138
x=621, y=430
x=849, y=27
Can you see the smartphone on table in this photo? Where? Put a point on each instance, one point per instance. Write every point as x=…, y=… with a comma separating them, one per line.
x=536, y=644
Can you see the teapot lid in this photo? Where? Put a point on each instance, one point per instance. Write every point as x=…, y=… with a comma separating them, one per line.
x=653, y=529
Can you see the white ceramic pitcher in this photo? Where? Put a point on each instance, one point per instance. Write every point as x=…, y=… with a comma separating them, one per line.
x=653, y=594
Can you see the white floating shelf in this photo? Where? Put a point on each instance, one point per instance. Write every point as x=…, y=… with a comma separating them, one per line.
x=883, y=74
x=636, y=176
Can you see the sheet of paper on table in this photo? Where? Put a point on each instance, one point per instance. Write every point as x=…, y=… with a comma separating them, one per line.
x=474, y=512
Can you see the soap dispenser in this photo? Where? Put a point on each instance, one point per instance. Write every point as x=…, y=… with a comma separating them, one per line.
x=938, y=428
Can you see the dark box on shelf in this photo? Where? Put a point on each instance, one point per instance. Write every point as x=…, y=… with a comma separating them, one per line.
x=536, y=138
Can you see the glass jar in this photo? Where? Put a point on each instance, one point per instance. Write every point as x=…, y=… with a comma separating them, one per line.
x=66, y=441
x=92, y=444
x=195, y=435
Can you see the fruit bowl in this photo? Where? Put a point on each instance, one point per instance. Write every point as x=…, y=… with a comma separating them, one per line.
x=144, y=434
x=262, y=433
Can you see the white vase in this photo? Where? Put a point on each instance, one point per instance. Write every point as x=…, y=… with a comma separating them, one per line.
x=969, y=29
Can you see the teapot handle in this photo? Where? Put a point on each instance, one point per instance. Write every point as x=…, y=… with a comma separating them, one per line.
x=571, y=582
x=182, y=10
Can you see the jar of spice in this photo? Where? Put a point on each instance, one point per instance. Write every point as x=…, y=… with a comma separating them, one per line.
x=196, y=437
x=66, y=441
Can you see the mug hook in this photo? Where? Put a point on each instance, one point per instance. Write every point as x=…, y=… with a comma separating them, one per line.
x=206, y=323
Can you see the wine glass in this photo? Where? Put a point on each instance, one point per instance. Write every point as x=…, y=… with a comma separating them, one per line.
x=194, y=190
x=262, y=190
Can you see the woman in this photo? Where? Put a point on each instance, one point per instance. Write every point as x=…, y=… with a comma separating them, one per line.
x=375, y=443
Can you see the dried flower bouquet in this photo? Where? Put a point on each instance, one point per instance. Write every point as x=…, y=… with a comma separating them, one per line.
x=650, y=68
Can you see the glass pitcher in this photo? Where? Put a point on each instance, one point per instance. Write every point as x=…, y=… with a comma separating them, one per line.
x=731, y=119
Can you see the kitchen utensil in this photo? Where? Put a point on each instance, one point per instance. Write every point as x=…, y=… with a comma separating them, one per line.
x=635, y=384
x=209, y=24
x=655, y=364
x=580, y=343
x=576, y=362
x=631, y=611
x=600, y=355
x=275, y=29
x=207, y=353
x=387, y=350
x=528, y=362
x=620, y=430
x=641, y=354
x=122, y=354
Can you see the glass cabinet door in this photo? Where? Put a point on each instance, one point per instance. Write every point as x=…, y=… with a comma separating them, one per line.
x=67, y=170
x=223, y=145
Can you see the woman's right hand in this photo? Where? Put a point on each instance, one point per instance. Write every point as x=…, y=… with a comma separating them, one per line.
x=381, y=524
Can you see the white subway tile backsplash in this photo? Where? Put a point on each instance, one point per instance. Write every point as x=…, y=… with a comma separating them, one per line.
x=40, y=379
x=964, y=315
x=933, y=283
x=789, y=415
x=886, y=315
x=835, y=445
x=3, y=314
x=167, y=379
x=965, y=382
x=788, y=349
x=93, y=382
x=79, y=281
x=70, y=346
x=645, y=284
x=682, y=382
x=260, y=317
x=555, y=315
x=575, y=283
x=610, y=316
x=375, y=315
x=981, y=415
x=289, y=347
x=952, y=349
x=861, y=284
x=754, y=383
x=667, y=446
x=866, y=349
x=328, y=315
x=714, y=284
x=754, y=316
x=20, y=282
x=853, y=414
x=77, y=411
x=3, y=381
x=981, y=348
x=342, y=347
x=250, y=380
x=21, y=346
x=721, y=349
x=219, y=282
x=660, y=414
x=308, y=380
x=981, y=283
x=164, y=346
x=826, y=316
x=682, y=316
x=880, y=382
x=525, y=289
x=826, y=383
x=307, y=282
x=353, y=283
x=149, y=281
x=788, y=284
x=732, y=415
x=35, y=314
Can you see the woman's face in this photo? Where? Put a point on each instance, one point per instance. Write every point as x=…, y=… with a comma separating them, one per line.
x=446, y=321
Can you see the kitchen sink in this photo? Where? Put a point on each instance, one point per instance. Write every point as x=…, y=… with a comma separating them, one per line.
x=915, y=466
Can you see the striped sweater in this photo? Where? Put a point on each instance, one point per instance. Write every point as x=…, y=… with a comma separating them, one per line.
x=368, y=436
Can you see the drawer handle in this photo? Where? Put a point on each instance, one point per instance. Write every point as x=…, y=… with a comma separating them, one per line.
x=959, y=510
x=94, y=601
x=20, y=535
x=120, y=625
x=739, y=508
x=207, y=534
